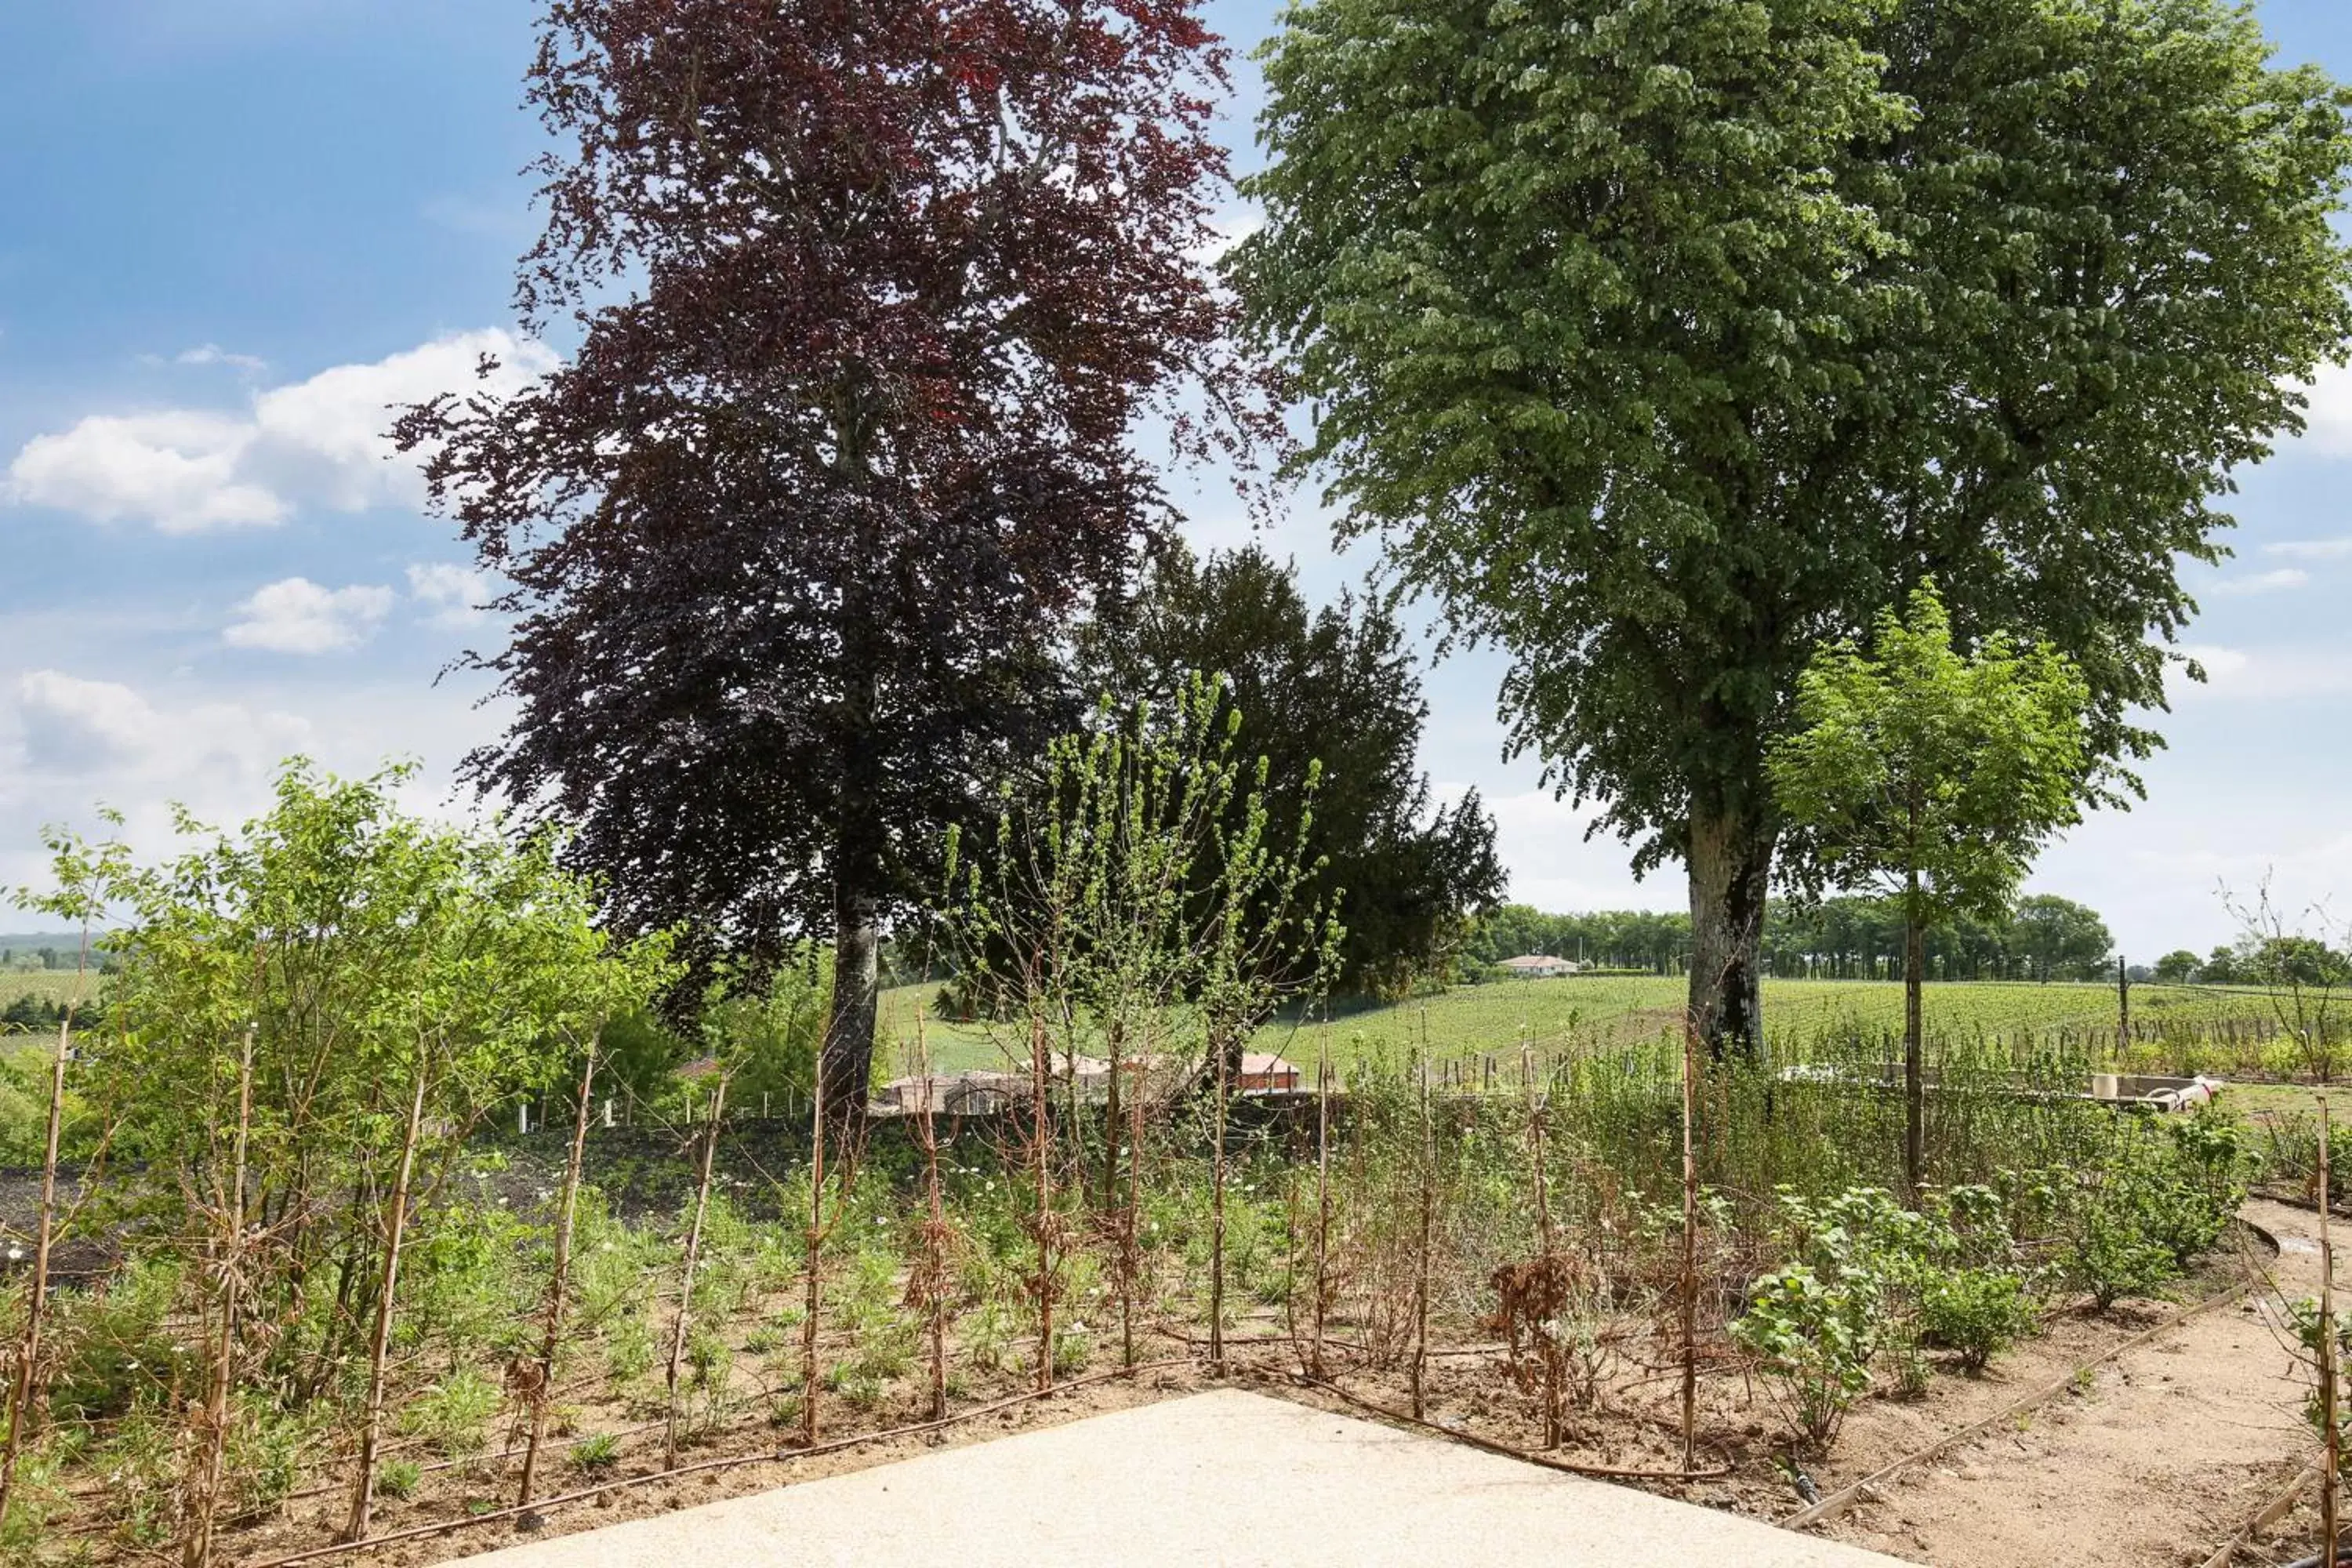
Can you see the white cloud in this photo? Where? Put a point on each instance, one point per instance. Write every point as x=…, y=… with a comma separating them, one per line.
x=213, y=353
x=2328, y=420
x=2266, y=674
x=2264, y=582
x=179, y=471
x=74, y=724
x=456, y=594
x=71, y=728
x=2311, y=548
x=69, y=741
x=321, y=442
x=297, y=616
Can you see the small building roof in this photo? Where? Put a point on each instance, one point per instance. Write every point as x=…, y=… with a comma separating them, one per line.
x=1264, y=1062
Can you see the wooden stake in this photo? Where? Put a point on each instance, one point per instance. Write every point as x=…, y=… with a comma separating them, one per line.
x=1690, y=1255
x=1040, y=1147
x=2330, y=1481
x=559, y=1282
x=1555, y=1429
x=679, y=1329
x=204, y=1475
x=1420, y=1264
x=935, y=1262
x=814, y=1258
x=395, y=1227
x=1322, y=1201
x=1217, y=1212
x=28, y=1349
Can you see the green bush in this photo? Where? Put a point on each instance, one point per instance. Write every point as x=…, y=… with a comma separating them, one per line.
x=1814, y=1341
x=1978, y=1312
x=2305, y=1318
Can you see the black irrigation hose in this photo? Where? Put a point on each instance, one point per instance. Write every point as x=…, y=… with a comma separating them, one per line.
x=2343, y=1554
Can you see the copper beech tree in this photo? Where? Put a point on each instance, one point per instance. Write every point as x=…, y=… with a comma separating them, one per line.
x=871, y=302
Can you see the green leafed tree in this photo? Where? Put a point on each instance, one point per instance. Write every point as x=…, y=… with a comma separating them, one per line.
x=1665, y=341
x=1935, y=774
x=2177, y=967
x=1335, y=693
x=2059, y=939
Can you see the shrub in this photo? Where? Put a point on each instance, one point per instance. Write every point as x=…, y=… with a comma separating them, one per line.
x=2303, y=1316
x=1814, y=1340
x=1978, y=1312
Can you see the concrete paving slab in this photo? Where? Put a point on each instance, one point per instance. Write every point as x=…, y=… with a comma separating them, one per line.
x=1222, y=1478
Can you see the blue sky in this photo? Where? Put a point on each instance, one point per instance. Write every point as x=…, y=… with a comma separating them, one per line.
x=234, y=229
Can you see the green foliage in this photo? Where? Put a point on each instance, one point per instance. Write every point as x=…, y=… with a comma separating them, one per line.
x=122, y=1351
x=766, y=1037
x=2060, y=939
x=1932, y=773
x=398, y=1478
x=2140, y=1213
x=1340, y=688
x=1815, y=1341
x=597, y=1454
x=1978, y=1312
x=2311, y=1329
x=1665, y=340
x=453, y=1414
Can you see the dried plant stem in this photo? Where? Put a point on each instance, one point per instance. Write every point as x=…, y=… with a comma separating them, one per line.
x=1131, y=1255
x=813, y=1271
x=683, y=1326
x=204, y=1480
x=2330, y=1481
x=1217, y=1209
x=1421, y=1261
x=395, y=1229
x=1546, y=1333
x=537, y=1388
x=1322, y=1202
x=935, y=1233
x=37, y=1301
x=1690, y=1251
x=1041, y=1170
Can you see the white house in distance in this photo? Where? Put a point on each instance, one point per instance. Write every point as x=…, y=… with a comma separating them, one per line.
x=1539, y=966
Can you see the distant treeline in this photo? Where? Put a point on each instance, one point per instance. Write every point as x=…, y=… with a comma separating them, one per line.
x=2044, y=937
x=45, y=950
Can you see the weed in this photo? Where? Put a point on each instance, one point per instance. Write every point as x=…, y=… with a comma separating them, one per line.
x=596, y=1455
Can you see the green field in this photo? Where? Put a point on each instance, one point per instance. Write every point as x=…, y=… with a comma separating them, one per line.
x=49, y=985
x=1567, y=1014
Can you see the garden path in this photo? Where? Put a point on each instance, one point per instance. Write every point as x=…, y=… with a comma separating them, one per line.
x=2170, y=1450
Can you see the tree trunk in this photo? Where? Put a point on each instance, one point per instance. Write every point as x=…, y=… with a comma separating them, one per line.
x=846, y=1066
x=1915, y=1085
x=380, y=1337
x=1731, y=857
x=846, y=1070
